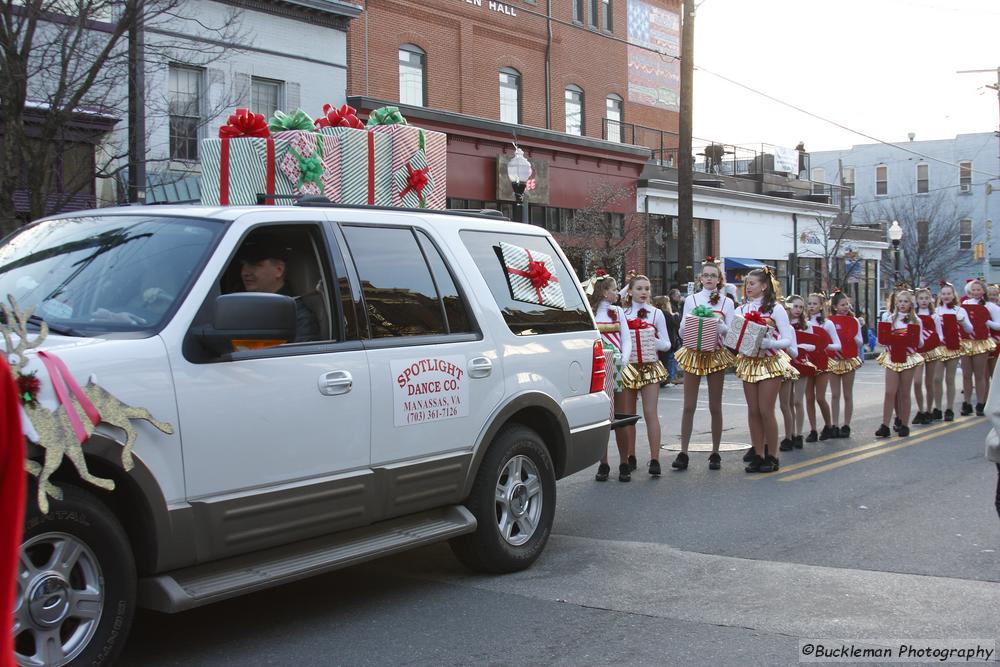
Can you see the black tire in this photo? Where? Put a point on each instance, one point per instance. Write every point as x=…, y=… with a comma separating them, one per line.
x=78, y=519
x=487, y=550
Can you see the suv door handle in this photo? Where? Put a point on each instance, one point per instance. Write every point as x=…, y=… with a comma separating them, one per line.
x=335, y=382
x=480, y=367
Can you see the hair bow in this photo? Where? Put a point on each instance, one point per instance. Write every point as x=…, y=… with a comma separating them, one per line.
x=709, y=259
x=942, y=283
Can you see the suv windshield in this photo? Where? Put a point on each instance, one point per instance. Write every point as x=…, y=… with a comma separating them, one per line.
x=102, y=274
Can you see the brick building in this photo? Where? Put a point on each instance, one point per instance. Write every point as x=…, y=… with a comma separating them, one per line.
x=566, y=86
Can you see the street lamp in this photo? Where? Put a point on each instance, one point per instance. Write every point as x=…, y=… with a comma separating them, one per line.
x=518, y=171
x=895, y=234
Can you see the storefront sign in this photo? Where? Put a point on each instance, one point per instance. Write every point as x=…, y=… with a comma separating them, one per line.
x=537, y=190
x=498, y=7
x=429, y=389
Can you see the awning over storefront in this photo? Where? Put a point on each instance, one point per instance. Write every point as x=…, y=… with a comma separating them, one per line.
x=743, y=264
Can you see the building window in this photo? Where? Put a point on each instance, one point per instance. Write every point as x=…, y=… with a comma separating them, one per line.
x=609, y=23
x=266, y=96
x=578, y=9
x=595, y=9
x=965, y=176
x=184, y=106
x=923, y=232
x=923, y=176
x=510, y=95
x=412, y=75
x=965, y=234
x=613, y=116
x=818, y=178
x=574, y=110
x=849, y=180
x=881, y=180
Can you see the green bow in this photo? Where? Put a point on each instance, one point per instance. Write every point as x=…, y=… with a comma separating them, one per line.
x=299, y=120
x=703, y=311
x=385, y=116
x=310, y=168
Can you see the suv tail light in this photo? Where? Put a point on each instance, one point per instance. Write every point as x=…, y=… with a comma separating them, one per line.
x=599, y=371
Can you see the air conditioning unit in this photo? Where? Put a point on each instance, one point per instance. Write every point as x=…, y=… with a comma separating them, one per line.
x=965, y=187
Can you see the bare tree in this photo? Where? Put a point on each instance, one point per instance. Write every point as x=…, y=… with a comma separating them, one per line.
x=931, y=247
x=597, y=238
x=826, y=238
x=64, y=56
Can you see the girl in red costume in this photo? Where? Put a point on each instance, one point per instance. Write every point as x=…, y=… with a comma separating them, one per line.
x=795, y=305
x=610, y=321
x=923, y=376
x=824, y=329
x=843, y=366
x=985, y=317
x=951, y=319
x=901, y=333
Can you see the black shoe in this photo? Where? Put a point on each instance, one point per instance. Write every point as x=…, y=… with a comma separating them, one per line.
x=654, y=468
x=797, y=442
x=896, y=423
x=603, y=471
x=681, y=462
x=786, y=445
x=748, y=455
x=826, y=433
x=949, y=415
x=883, y=432
x=845, y=431
x=936, y=414
x=812, y=437
x=918, y=419
x=903, y=431
x=714, y=461
x=980, y=409
x=755, y=463
x=770, y=465
x=624, y=473
x=835, y=433
x=966, y=409
x=632, y=463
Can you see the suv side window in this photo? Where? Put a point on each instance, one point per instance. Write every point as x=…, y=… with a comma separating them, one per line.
x=400, y=293
x=454, y=306
x=525, y=319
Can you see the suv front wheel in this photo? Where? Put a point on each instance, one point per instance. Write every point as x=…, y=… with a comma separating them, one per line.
x=513, y=499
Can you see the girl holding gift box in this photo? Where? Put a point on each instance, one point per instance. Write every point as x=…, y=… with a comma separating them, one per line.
x=763, y=369
x=843, y=366
x=642, y=377
x=950, y=319
x=930, y=350
x=829, y=346
x=985, y=316
x=610, y=320
x=901, y=333
x=699, y=357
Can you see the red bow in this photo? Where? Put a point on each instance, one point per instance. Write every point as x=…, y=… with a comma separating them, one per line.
x=538, y=274
x=638, y=324
x=755, y=316
x=245, y=123
x=417, y=180
x=345, y=116
x=613, y=315
x=600, y=273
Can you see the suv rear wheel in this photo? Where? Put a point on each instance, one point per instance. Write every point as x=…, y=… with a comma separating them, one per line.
x=513, y=499
x=75, y=594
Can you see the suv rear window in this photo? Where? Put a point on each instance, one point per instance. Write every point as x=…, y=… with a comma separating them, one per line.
x=525, y=319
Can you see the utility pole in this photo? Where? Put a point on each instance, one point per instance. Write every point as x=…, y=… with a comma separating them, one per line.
x=685, y=175
x=989, y=224
x=992, y=86
x=136, y=105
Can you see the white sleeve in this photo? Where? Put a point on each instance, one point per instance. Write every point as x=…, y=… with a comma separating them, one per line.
x=625, y=337
x=727, y=316
x=994, y=321
x=831, y=330
x=937, y=325
x=786, y=335
x=858, y=339
x=963, y=318
x=662, y=337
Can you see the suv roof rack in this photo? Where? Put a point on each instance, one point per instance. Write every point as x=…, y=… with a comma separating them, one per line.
x=319, y=201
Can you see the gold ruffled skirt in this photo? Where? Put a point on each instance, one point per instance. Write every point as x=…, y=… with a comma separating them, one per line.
x=933, y=355
x=704, y=363
x=637, y=376
x=843, y=366
x=914, y=360
x=755, y=369
x=944, y=354
x=971, y=346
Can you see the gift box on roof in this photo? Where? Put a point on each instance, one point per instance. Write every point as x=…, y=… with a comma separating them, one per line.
x=746, y=333
x=701, y=330
x=419, y=160
x=643, y=342
x=363, y=173
x=531, y=276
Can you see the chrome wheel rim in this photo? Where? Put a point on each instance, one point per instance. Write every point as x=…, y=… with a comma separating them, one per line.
x=519, y=499
x=59, y=600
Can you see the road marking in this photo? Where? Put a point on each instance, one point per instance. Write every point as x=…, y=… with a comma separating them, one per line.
x=876, y=451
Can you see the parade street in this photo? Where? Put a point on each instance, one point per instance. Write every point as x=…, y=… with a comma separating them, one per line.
x=852, y=539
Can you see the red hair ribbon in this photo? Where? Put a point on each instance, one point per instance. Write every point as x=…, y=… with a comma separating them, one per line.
x=345, y=116
x=709, y=258
x=600, y=273
x=245, y=123
x=969, y=280
x=942, y=283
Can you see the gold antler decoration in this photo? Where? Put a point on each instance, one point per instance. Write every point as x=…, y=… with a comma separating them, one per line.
x=17, y=324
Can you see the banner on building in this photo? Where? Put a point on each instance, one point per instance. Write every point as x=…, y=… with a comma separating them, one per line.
x=786, y=160
x=654, y=80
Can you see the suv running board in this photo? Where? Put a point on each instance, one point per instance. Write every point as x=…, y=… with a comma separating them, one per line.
x=203, y=584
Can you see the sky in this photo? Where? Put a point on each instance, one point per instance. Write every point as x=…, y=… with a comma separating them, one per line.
x=882, y=67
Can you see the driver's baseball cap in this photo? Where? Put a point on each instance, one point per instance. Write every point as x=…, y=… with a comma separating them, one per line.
x=264, y=246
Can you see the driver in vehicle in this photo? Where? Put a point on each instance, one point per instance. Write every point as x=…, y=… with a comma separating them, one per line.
x=263, y=262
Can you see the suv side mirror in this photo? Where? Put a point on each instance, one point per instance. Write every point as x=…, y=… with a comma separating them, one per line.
x=249, y=320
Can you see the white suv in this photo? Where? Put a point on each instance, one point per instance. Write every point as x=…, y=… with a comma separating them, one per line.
x=421, y=402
